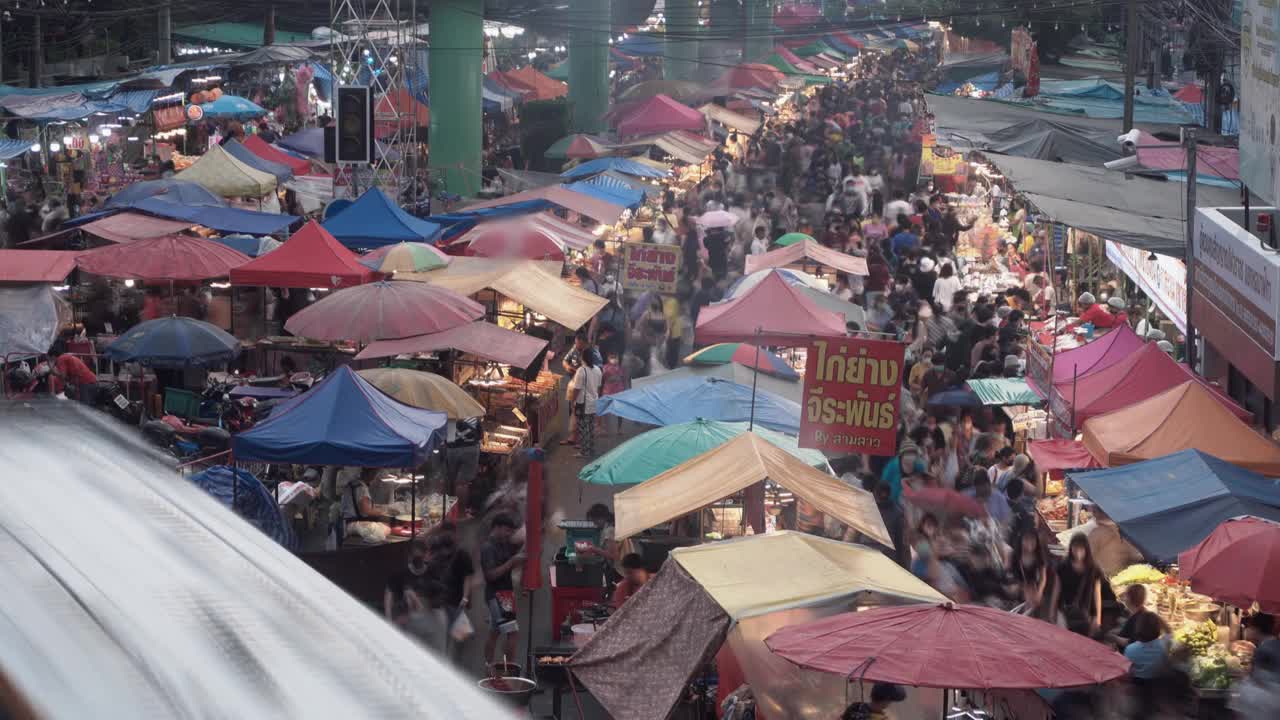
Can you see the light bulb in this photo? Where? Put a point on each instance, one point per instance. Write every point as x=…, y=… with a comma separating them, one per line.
x=66, y=139
x=54, y=147
x=128, y=282
x=106, y=131
x=35, y=147
x=93, y=139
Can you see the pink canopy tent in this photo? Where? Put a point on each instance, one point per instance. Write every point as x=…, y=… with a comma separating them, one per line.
x=1157, y=154
x=807, y=250
x=1092, y=357
x=751, y=75
x=660, y=114
x=1192, y=93
x=561, y=231
x=594, y=208
x=783, y=315
x=1143, y=374
x=1052, y=455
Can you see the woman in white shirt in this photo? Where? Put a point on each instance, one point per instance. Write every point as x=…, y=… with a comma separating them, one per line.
x=946, y=286
x=586, y=391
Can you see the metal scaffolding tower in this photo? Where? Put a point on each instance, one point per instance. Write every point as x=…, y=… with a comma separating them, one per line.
x=374, y=43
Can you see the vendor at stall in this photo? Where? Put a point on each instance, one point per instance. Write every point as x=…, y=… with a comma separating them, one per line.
x=634, y=577
x=70, y=375
x=1090, y=312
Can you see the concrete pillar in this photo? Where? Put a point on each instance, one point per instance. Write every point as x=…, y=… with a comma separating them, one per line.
x=681, y=61
x=454, y=81
x=834, y=10
x=758, y=42
x=589, y=66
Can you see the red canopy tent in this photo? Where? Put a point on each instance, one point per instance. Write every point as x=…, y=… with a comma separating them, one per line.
x=531, y=83
x=267, y=151
x=783, y=315
x=400, y=103
x=36, y=266
x=170, y=257
x=1139, y=376
x=660, y=114
x=751, y=75
x=796, y=61
x=1097, y=355
x=311, y=258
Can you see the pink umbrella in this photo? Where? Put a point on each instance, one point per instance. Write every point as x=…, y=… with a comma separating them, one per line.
x=384, y=311
x=169, y=257
x=509, y=240
x=944, y=501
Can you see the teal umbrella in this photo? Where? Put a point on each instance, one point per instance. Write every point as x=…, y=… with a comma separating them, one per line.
x=654, y=452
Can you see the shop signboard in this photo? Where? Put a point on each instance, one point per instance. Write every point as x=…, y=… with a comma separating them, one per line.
x=1260, y=96
x=939, y=161
x=1239, y=277
x=852, y=395
x=649, y=266
x=1163, y=279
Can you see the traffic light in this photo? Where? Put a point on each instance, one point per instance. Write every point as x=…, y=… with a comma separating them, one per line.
x=354, y=132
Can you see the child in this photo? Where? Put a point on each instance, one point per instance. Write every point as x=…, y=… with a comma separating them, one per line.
x=615, y=381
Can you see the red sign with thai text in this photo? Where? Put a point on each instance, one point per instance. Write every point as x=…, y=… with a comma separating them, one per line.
x=852, y=395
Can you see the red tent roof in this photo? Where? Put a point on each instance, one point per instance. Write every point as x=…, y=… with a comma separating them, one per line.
x=311, y=258
x=1192, y=93
x=798, y=62
x=794, y=16
x=36, y=266
x=1141, y=375
x=660, y=114
x=267, y=151
x=783, y=315
x=849, y=40
x=751, y=75
x=1061, y=455
x=533, y=84
x=168, y=257
x=1157, y=154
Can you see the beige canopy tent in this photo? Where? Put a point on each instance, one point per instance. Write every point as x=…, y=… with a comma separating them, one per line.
x=220, y=172
x=599, y=210
x=531, y=283
x=729, y=118
x=810, y=250
x=735, y=466
x=679, y=144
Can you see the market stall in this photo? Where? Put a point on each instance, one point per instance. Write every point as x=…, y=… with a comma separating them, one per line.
x=1094, y=356
x=223, y=174
x=373, y=221
x=807, y=255
x=770, y=313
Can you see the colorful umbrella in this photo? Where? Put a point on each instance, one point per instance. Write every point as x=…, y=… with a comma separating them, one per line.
x=384, y=311
x=168, y=257
x=405, y=257
x=791, y=239
x=656, y=451
x=743, y=354
x=513, y=240
x=578, y=145
x=424, y=390
x=1238, y=563
x=944, y=502
x=718, y=219
x=174, y=342
x=962, y=647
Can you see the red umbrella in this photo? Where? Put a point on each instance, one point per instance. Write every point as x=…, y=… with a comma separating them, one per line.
x=384, y=311
x=515, y=240
x=943, y=501
x=1238, y=563
x=962, y=647
x=167, y=257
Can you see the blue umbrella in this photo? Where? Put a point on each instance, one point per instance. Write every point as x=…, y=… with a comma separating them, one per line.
x=174, y=342
x=689, y=398
x=253, y=501
x=232, y=107
x=955, y=397
x=180, y=192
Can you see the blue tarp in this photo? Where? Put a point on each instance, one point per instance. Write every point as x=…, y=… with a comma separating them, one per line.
x=642, y=46
x=373, y=221
x=171, y=190
x=687, y=399
x=246, y=156
x=986, y=82
x=308, y=143
x=253, y=501
x=344, y=421
x=10, y=148
x=222, y=219
x=456, y=223
x=1167, y=505
x=617, y=164
x=611, y=190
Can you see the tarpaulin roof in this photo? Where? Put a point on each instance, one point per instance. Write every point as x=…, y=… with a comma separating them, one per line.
x=829, y=301
x=526, y=282
x=90, y=625
x=311, y=258
x=130, y=226
x=732, y=467
x=36, y=266
x=609, y=189
x=750, y=75
x=771, y=313
x=625, y=166
x=222, y=219
x=235, y=34
x=1139, y=376
x=596, y=209
x=733, y=372
x=1167, y=505
x=266, y=151
x=642, y=44
x=308, y=142
x=1156, y=154
x=963, y=122
x=344, y=421
x=1050, y=140
x=64, y=103
x=1098, y=354
x=220, y=171
x=561, y=231
x=1004, y=391
x=31, y=318
x=660, y=114
x=729, y=118
x=531, y=83
x=280, y=171
x=1136, y=211
x=683, y=146
x=172, y=190
x=1061, y=455
x=809, y=250
x=479, y=338
x=373, y=220
x=232, y=107
x=10, y=148
x=795, y=60
x=1184, y=417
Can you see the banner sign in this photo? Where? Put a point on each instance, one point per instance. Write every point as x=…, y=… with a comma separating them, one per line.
x=1260, y=93
x=852, y=395
x=938, y=161
x=1239, y=277
x=649, y=266
x=1164, y=279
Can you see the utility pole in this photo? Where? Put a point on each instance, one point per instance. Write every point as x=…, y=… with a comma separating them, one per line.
x=1133, y=38
x=1189, y=145
x=164, y=40
x=36, y=75
x=269, y=27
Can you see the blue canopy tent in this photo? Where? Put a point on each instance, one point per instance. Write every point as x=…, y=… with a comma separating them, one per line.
x=1167, y=505
x=625, y=166
x=609, y=189
x=238, y=151
x=344, y=421
x=222, y=219
x=180, y=192
x=373, y=221
x=248, y=498
x=687, y=399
